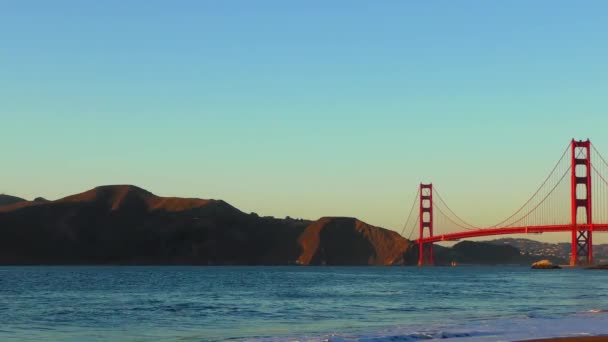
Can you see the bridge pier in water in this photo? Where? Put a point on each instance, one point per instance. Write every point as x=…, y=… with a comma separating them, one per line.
x=580, y=181
x=425, y=251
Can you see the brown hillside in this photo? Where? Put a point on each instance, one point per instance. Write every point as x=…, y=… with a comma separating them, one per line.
x=121, y=197
x=117, y=197
x=6, y=200
x=124, y=224
x=348, y=241
x=128, y=225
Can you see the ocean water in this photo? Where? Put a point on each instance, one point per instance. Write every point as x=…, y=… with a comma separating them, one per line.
x=299, y=303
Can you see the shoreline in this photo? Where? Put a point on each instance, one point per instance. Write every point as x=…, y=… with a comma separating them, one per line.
x=603, y=338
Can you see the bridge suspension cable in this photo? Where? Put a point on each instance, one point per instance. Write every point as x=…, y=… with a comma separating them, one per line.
x=409, y=217
x=464, y=224
x=409, y=237
x=539, y=208
x=524, y=218
x=557, y=166
x=599, y=174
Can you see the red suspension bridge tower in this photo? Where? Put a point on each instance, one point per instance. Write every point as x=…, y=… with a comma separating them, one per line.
x=425, y=252
x=582, y=243
x=545, y=211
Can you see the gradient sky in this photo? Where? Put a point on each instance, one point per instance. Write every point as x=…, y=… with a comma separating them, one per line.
x=301, y=108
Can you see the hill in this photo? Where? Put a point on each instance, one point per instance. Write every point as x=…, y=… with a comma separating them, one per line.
x=552, y=251
x=475, y=252
x=124, y=224
x=348, y=241
x=8, y=200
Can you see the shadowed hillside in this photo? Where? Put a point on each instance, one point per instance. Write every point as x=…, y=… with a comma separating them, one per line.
x=128, y=225
x=8, y=200
x=487, y=253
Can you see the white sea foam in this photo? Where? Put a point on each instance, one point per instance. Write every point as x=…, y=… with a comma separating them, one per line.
x=590, y=323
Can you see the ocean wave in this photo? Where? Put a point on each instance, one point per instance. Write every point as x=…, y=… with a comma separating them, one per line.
x=596, y=311
x=511, y=329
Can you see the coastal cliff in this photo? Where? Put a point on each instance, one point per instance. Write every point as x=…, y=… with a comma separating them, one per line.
x=348, y=241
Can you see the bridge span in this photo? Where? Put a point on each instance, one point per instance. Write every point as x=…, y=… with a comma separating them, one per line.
x=566, y=228
x=572, y=199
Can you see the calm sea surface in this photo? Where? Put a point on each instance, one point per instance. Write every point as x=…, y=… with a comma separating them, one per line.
x=299, y=303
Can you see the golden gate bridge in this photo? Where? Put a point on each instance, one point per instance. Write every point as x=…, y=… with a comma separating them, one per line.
x=573, y=198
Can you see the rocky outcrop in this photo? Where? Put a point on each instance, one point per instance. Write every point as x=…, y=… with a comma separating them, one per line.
x=544, y=265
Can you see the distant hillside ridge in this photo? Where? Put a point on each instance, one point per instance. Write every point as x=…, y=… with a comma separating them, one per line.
x=8, y=200
x=559, y=250
x=125, y=224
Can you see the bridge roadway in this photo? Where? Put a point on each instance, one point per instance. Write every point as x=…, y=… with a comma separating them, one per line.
x=560, y=228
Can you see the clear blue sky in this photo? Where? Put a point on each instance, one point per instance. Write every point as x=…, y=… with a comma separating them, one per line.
x=305, y=108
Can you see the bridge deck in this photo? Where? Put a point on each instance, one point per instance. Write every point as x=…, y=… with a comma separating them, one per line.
x=602, y=227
